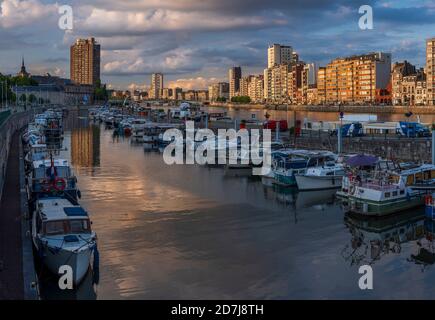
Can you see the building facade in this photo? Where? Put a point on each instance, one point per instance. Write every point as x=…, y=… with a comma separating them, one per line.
x=400, y=70
x=430, y=71
x=219, y=90
x=276, y=83
x=356, y=79
x=85, y=62
x=156, y=89
x=280, y=54
x=256, y=89
x=321, y=86
x=414, y=89
x=167, y=93
x=234, y=76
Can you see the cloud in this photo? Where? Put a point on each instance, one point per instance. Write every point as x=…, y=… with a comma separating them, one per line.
x=192, y=83
x=135, y=86
x=18, y=13
x=134, y=62
x=103, y=22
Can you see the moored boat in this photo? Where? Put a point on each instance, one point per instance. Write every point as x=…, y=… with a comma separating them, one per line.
x=327, y=176
x=62, y=236
x=290, y=163
x=388, y=189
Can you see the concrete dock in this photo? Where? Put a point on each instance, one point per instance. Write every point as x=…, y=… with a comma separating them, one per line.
x=18, y=280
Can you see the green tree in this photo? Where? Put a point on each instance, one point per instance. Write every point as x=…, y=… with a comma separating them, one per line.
x=241, y=99
x=221, y=99
x=20, y=81
x=32, y=98
x=100, y=92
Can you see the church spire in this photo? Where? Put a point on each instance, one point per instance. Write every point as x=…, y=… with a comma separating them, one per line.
x=23, y=73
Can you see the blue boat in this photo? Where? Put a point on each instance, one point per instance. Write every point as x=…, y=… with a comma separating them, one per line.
x=288, y=163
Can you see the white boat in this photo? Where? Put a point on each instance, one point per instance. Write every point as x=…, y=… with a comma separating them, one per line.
x=62, y=235
x=328, y=176
x=137, y=128
x=387, y=191
x=286, y=165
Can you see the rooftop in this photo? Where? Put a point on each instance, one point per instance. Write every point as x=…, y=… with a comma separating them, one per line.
x=60, y=208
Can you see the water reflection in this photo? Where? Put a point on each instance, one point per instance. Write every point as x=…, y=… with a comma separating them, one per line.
x=85, y=146
x=374, y=238
x=425, y=255
x=198, y=232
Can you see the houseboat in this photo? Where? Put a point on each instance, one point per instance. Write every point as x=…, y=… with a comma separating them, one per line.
x=388, y=189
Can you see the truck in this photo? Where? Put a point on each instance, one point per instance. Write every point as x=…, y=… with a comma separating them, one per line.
x=412, y=129
x=354, y=129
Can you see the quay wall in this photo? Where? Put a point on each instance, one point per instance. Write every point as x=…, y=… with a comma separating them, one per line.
x=8, y=127
x=401, y=149
x=348, y=109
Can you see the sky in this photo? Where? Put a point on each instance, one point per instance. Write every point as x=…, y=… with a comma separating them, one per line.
x=194, y=42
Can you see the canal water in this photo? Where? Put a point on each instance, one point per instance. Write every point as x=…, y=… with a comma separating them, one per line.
x=195, y=232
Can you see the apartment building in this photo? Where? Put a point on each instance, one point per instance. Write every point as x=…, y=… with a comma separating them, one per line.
x=356, y=79
x=280, y=54
x=156, y=89
x=234, y=76
x=321, y=86
x=85, y=62
x=430, y=70
x=400, y=70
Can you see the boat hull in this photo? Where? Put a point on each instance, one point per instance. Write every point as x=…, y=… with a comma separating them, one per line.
x=79, y=261
x=285, y=179
x=381, y=208
x=308, y=183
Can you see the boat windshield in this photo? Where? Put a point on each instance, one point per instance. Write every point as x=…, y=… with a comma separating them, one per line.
x=59, y=227
x=41, y=172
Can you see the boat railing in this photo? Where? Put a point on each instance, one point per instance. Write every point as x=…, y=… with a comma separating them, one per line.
x=379, y=187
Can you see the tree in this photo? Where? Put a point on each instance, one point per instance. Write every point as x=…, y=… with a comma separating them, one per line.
x=221, y=99
x=23, y=98
x=32, y=98
x=20, y=81
x=100, y=92
x=241, y=99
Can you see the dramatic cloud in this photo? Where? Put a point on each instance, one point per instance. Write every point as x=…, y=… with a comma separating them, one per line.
x=192, y=83
x=104, y=22
x=17, y=13
x=194, y=41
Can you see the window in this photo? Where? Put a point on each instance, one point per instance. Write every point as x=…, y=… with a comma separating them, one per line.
x=395, y=194
x=387, y=194
x=79, y=226
x=55, y=227
x=67, y=226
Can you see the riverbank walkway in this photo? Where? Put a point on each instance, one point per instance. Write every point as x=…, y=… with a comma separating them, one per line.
x=11, y=258
x=17, y=272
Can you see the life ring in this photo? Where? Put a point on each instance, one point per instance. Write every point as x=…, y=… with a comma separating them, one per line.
x=59, y=184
